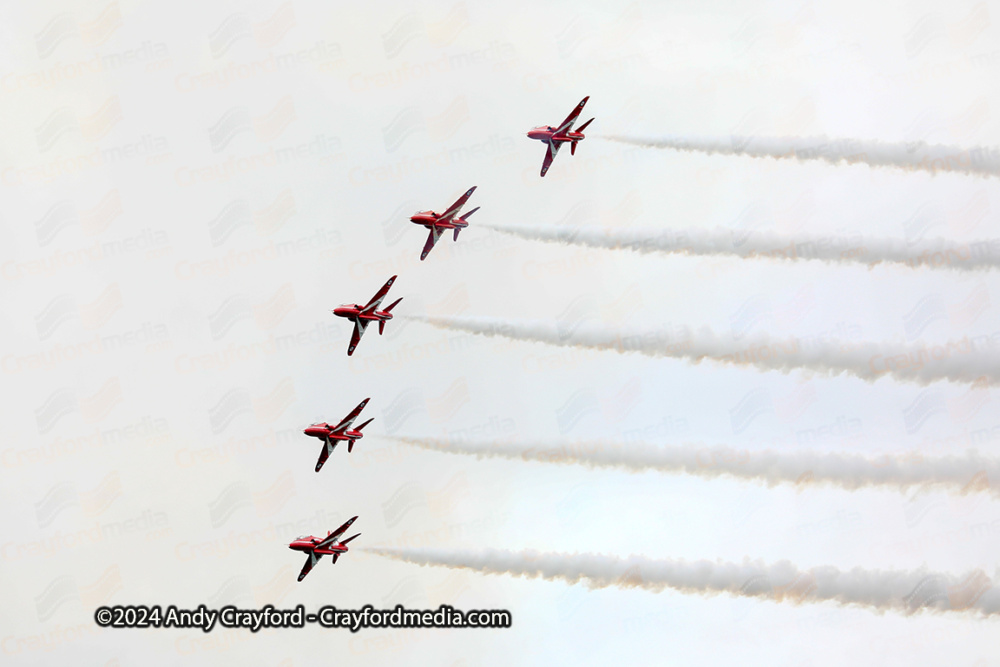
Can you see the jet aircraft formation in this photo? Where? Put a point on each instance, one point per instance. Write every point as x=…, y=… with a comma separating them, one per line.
x=363, y=315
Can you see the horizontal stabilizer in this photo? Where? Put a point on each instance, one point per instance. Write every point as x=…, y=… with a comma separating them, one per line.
x=584, y=126
x=466, y=216
x=351, y=538
x=350, y=443
x=393, y=305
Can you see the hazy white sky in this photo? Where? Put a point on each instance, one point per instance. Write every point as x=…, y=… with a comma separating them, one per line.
x=190, y=188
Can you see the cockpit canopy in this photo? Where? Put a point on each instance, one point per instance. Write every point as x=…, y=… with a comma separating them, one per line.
x=302, y=537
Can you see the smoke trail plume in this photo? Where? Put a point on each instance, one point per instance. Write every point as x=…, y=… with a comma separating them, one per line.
x=961, y=361
x=878, y=590
x=964, y=473
x=937, y=253
x=933, y=158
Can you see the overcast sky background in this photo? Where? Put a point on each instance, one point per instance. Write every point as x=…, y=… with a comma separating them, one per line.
x=190, y=188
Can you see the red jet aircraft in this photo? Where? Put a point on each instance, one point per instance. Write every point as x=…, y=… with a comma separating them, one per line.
x=362, y=316
x=318, y=547
x=555, y=136
x=333, y=435
x=438, y=224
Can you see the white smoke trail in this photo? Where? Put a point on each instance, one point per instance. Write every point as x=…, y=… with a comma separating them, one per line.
x=878, y=590
x=937, y=253
x=933, y=158
x=965, y=473
x=960, y=361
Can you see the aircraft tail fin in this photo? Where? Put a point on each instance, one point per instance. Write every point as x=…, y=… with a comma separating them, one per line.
x=463, y=222
x=350, y=443
x=381, y=323
x=572, y=146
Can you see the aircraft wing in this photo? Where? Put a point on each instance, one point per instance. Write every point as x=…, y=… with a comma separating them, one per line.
x=571, y=118
x=311, y=561
x=432, y=238
x=550, y=155
x=359, y=330
x=349, y=419
x=332, y=537
x=377, y=299
x=328, y=448
x=457, y=206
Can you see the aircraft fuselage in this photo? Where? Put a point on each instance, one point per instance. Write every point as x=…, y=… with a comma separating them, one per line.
x=309, y=545
x=353, y=313
x=430, y=219
x=548, y=133
x=326, y=431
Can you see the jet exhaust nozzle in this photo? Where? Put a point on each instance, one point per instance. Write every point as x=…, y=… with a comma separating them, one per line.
x=392, y=305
